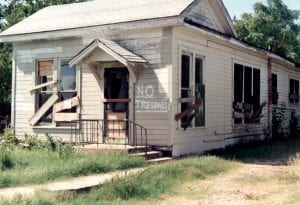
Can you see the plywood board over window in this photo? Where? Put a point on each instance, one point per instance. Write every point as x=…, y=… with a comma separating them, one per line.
x=45, y=68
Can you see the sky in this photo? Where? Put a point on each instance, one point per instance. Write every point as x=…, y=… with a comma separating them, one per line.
x=237, y=7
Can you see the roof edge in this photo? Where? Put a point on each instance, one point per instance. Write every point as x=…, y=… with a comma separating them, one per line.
x=87, y=30
x=240, y=42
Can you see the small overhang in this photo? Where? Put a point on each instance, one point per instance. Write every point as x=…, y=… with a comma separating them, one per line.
x=114, y=50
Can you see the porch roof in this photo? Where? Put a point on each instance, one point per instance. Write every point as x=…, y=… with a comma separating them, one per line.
x=113, y=49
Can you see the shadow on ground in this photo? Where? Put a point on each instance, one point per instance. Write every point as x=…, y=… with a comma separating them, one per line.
x=280, y=152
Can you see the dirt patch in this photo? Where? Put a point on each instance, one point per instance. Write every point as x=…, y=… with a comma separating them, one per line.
x=250, y=184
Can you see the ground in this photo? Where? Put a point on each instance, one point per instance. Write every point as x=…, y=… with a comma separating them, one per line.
x=251, y=184
x=267, y=174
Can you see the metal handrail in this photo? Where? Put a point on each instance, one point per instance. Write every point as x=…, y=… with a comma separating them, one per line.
x=104, y=131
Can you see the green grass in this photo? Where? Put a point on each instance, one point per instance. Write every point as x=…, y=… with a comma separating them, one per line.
x=152, y=183
x=40, y=166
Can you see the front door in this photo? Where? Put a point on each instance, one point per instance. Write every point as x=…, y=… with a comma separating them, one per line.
x=116, y=94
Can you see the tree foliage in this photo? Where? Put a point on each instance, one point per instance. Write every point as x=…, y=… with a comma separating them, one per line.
x=273, y=27
x=12, y=12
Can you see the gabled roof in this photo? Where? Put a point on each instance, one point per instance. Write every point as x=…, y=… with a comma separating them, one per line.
x=111, y=48
x=97, y=12
x=106, y=12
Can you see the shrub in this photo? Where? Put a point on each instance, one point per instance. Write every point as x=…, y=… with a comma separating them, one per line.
x=34, y=142
x=6, y=161
x=8, y=138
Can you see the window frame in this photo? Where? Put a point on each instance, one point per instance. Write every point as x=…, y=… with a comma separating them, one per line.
x=193, y=56
x=277, y=97
x=56, y=89
x=295, y=80
x=252, y=66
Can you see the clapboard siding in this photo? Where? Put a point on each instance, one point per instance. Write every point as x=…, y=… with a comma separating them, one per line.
x=218, y=69
x=154, y=45
x=26, y=55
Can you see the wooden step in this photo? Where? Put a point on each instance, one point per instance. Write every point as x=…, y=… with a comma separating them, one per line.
x=116, y=140
x=149, y=155
x=139, y=149
x=159, y=160
x=115, y=133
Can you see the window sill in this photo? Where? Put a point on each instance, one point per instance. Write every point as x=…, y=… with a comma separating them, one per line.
x=52, y=127
x=192, y=128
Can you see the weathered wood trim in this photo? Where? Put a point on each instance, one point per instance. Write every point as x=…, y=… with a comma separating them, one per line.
x=188, y=110
x=185, y=100
x=37, y=87
x=45, y=107
x=125, y=100
x=65, y=117
x=67, y=104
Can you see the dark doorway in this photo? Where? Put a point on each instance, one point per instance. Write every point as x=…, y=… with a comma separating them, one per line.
x=116, y=94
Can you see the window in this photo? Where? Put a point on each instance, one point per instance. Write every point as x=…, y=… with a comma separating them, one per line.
x=192, y=90
x=246, y=94
x=294, y=91
x=44, y=75
x=274, y=90
x=67, y=83
x=50, y=92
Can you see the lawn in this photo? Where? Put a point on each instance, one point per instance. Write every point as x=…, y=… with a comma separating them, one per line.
x=49, y=160
x=235, y=177
x=152, y=183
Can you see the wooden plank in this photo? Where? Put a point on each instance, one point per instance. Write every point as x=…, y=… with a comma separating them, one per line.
x=125, y=100
x=116, y=115
x=188, y=110
x=45, y=107
x=67, y=104
x=43, y=85
x=185, y=100
x=65, y=117
x=45, y=68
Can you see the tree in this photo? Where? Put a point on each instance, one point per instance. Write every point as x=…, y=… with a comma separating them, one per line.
x=12, y=12
x=272, y=27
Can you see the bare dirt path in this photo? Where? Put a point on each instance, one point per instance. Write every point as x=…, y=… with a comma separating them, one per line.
x=250, y=184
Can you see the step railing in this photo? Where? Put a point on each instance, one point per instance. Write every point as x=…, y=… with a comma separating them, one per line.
x=118, y=132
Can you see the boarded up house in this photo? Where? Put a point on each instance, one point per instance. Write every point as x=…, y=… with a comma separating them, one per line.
x=116, y=71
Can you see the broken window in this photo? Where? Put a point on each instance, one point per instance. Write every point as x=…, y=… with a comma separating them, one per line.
x=185, y=87
x=56, y=102
x=246, y=93
x=294, y=91
x=116, y=87
x=199, y=93
x=274, y=90
x=67, y=83
x=192, y=90
x=44, y=75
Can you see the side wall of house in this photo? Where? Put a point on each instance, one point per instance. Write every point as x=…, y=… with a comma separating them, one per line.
x=219, y=59
x=284, y=74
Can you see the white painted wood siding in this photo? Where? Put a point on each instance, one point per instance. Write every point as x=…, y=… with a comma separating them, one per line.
x=218, y=72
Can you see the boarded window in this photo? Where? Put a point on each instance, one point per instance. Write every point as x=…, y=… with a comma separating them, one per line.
x=294, y=91
x=246, y=93
x=274, y=89
x=44, y=75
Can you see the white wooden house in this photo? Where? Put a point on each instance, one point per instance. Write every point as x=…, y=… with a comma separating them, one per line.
x=175, y=67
